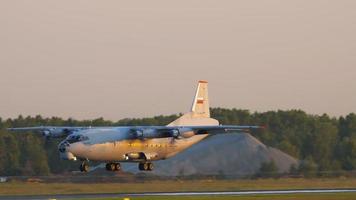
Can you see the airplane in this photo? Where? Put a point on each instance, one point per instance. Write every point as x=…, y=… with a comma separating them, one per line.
x=139, y=144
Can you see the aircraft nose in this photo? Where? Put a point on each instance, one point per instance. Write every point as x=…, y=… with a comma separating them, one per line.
x=62, y=147
x=64, y=153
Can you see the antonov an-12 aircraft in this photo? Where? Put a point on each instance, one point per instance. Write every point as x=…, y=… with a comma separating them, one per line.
x=140, y=144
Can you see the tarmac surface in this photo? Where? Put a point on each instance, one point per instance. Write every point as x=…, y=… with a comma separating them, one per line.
x=236, y=193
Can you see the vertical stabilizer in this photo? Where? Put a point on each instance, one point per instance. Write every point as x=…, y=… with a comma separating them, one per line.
x=199, y=114
x=200, y=106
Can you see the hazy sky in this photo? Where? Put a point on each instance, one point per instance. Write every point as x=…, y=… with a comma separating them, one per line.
x=116, y=59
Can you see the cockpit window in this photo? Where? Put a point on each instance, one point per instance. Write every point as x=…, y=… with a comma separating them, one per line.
x=76, y=138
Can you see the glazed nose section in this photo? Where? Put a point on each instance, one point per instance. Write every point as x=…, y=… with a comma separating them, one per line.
x=62, y=147
x=64, y=152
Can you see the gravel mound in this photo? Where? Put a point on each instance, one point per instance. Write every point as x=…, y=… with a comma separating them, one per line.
x=226, y=154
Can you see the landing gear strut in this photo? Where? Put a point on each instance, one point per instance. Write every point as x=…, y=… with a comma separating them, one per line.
x=147, y=166
x=113, y=166
x=84, y=167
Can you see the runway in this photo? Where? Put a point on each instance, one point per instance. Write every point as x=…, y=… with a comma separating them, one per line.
x=240, y=193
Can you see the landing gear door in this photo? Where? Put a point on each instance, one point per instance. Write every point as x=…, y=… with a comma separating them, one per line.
x=151, y=156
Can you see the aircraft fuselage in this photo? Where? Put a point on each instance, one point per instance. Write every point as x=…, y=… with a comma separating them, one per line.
x=119, y=144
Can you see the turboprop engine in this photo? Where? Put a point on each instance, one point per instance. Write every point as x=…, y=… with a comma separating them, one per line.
x=186, y=134
x=182, y=133
x=56, y=132
x=177, y=133
x=53, y=133
x=145, y=133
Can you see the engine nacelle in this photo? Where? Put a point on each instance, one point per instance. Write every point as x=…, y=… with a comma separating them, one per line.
x=179, y=133
x=187, y=134
x=46, y=133
x=55, y=132
x=146, y=133
x=182, y=133
x=157, y=133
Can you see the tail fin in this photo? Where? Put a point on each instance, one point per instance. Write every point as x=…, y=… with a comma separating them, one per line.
x=200, y=107
x=200, y=112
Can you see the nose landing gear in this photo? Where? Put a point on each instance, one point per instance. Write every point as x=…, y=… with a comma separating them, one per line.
x=147, y=166
x=113, y=166
x=84, y=167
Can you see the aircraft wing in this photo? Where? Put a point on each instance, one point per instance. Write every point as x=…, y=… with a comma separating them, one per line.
x=222, y=129
x=143, y=132
x=50, y=131
x=188, y=131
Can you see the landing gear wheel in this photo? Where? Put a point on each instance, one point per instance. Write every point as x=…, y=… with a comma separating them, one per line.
x=140, y=166
x=117, y=167
x=108, y=166
x=84, y=167
x=150, y=166
x=145, y=166
x=113, y=166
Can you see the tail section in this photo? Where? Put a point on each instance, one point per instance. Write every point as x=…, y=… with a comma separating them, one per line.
x=200, y=107
x=200, y=112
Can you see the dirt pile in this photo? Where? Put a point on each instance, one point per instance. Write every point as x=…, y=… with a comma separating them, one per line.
x=227, y=154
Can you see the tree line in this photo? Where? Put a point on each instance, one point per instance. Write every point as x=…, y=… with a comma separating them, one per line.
x=321, y=143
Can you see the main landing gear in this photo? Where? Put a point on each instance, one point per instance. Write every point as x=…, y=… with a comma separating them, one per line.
x=84, y=167
x=147, y=166
x=113, y=166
